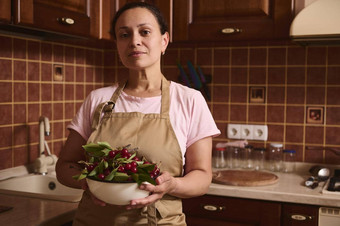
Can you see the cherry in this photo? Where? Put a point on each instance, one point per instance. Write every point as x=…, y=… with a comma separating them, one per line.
x=112, y=154
x=121, y=169
x=90, y=168
x=101, y=176
x=107, y=171
x=124, y=151
x=134, y=169
x=136, y=158
x=134, y=164
x=128, y=166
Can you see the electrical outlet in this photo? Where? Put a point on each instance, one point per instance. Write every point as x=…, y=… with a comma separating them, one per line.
x=247, y=132
x=234, y=131
x=260, y=132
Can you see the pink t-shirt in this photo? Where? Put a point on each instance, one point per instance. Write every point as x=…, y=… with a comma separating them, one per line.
x=189, y=114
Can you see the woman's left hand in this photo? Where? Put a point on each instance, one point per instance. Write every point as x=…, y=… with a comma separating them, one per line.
x=165, y=183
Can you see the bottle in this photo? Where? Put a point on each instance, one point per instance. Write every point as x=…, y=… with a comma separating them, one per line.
x=288, y=161
x=236, y=157
x=246, y=155
x=218, y=157
x=259, y=158
x=275, y=157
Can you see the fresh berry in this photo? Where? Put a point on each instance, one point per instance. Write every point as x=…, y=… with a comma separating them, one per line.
x=107, y=171
x=127, y=166
x=112, y=154
x=121, y=169
x=90, y=168
x=101, y=176
x=134, y=169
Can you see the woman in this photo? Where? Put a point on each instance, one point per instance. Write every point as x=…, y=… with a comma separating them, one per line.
x=168, y=122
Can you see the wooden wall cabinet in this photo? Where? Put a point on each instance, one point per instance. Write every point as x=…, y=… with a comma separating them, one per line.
x=5, y=11
x=221, y=211
x=232, y=20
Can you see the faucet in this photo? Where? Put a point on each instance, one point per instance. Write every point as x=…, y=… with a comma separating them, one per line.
x=44, y=160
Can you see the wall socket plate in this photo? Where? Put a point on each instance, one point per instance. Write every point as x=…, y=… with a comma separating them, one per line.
x=247, y=132
x=234, y=131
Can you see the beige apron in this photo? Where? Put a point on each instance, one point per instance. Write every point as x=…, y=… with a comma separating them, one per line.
x=156, y=140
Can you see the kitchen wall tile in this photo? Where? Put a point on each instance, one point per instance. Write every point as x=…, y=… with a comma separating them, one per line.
x=314, y=156
x=6, y=69
x=6, y=156
x=332, y=158
x=257, y=75
x=5, y=46
x=46, y=72
x=239, y=75
x=89, y=75
x=33, y=131
x=333, y=96
x=46, y=52
x=295, y=95
x=332, y=135
x=299, y=151
x=204, y=57
x=275, y=113
x=58, y=130
x=69, y=110
x=314, y=134
x=276, y=133
x=223, y=128
x=80, y=74
x=33, y=71
x=58, y=90
x=19, y=70
x=20, y=156
x=6, y=114
x=19, y=48
x=316, y=75
x=20, y=92
x=69, y=73
x=89, y=57
x=256, y=113
x=33, y=92
x=296, y=56
x=5, y=92
x=333, y=75
x=69, y=54
x=98, y=58
x=316, y=56
x=238, y=94
x=220, y=112
x=333, y=55
x=276, y=94
x=58, y=110
x=220, y=93
x=296, y=75
x=46, y=92
x=222, y=56
x=258, y=56
x=239, y=56
x=20, y=135
x=277, y=56
x=294, y=134
x=333, y=115
x=221, y=75
x=98, y=75
x=46, y=110
x=295, y=114
x=276, y=75
x=19, y=113
x=238, y=113
x=6, y=137
x=58, y=53
x=315, y=95
x=80, y=92
x=33, y=112
x=80, y=56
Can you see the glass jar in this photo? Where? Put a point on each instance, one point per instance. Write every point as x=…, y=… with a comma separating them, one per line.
x=289, y=158
x=259, y=158
x=246, y=156
x=275, y=157
x=219, y=157
x=235, y=157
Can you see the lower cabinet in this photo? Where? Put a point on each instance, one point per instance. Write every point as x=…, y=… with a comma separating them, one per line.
x=227, y=211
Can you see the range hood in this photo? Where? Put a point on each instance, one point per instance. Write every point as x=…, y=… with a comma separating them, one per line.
x=318, y=23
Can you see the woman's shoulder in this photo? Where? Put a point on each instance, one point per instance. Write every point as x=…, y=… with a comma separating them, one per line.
x=179, y=89
x=103, y=93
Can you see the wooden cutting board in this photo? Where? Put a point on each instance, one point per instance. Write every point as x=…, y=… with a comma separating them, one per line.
x=244, y=178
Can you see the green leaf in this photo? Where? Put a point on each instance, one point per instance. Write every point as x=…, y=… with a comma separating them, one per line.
x=105, y=145
x=106, y=151
x=121, y=177
x=110, y=176
x=92, y=147
x=79, y=176
x=145, y=177
x=146, y=167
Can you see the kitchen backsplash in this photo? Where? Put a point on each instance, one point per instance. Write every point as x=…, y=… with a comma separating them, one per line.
x=295, y=83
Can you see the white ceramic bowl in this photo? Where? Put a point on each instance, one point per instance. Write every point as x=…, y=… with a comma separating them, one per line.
x=116, y=193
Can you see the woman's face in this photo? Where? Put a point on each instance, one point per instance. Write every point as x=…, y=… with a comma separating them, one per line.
x=139, y=40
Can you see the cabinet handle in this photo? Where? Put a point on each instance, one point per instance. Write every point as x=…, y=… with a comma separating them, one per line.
x=229, y=30
x=300, y=217
x=66, y=20
x=213, y=208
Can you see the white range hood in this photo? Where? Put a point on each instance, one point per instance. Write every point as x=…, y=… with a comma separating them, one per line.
x=318, y=23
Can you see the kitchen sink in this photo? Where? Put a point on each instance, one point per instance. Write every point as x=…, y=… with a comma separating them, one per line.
x=40, y=186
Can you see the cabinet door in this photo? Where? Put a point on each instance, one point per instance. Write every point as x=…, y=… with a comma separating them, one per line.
x=5, y=11
x=226, y=20
x=64, y=16
x=299, y=215
x=216, y=210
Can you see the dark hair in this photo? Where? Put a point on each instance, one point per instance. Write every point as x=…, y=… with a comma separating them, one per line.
x=153, y=9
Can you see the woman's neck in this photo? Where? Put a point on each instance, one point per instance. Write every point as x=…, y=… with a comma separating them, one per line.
x=143, y=84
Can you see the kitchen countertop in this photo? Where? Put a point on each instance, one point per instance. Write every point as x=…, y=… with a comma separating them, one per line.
x=289, y=188
x=33, y=211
